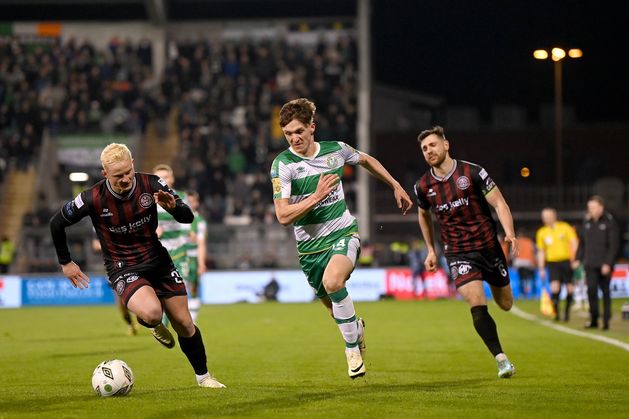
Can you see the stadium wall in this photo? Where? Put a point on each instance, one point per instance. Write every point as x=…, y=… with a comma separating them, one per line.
x=227, y=287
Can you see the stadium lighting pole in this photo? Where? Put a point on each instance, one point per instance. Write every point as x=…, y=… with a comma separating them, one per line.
x=364, y=199
x=557, y=55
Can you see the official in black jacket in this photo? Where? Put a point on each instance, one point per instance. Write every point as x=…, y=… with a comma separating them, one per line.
x=598, y=247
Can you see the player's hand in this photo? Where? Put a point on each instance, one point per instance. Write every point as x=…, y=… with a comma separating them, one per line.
x=75, y=275
x=164, y=199
x=606, y=269
x=542, y=273
x=327, y=183
x=513, y=243
x=431, y=262
x=404, y=201
x=575, y=264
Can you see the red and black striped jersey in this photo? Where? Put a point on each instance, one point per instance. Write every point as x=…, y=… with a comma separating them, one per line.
x=458, y=201
x=125, y=224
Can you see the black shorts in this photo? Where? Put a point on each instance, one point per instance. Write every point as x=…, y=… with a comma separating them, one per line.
x=161, y=275
x=487, y=264
x=560, y=271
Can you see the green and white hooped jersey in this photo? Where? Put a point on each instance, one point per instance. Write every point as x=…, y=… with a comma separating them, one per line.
x=296, y=177
x=175, y=236
x=199, y=227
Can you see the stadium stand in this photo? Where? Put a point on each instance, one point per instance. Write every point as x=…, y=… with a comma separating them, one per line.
x=211, y=112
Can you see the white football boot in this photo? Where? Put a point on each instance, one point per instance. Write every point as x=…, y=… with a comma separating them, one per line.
x=355, y=364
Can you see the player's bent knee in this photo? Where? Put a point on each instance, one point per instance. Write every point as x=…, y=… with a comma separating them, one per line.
x=506, y=305
x=151, y=315
x=332, y=284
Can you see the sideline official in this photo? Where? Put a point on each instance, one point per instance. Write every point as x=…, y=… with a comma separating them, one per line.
x=598, y=247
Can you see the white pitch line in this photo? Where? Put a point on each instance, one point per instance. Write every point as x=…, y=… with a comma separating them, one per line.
x=604, y=339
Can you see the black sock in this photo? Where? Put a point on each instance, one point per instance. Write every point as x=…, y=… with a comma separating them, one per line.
x=486, y=329
x=568, y=304
x=555, y=299
x=194, y=350
x=145, y=324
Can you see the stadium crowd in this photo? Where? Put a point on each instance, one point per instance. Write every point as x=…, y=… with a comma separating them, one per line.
x=226, y=94
x=71, y=87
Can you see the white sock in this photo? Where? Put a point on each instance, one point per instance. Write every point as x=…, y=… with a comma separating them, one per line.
x=501, y=357
x=345, y=316
x=201, y=377
x=194, y=304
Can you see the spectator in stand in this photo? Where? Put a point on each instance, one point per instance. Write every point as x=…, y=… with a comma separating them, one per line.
x=525, y=264
x=7, y=250
x=228, y=95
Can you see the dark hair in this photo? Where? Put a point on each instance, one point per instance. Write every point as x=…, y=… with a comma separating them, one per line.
x=437, y=130
x=300, y=109
x=597, y=198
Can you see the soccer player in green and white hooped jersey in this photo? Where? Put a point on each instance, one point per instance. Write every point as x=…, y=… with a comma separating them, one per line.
x=173, y=235
x=308, y=193
x=197, y=251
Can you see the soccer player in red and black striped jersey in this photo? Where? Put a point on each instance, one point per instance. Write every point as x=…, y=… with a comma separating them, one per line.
x=123, y=210
x=461, y=194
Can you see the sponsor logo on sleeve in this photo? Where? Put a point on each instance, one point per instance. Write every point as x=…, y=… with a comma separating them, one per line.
x=483, y=174
x=161, y=182
x=78, y=201
x=277, y=185
x=69, y=209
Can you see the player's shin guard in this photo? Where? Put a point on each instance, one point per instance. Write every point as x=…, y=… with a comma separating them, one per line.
x=486, y=329
x=345, y=316
x=194, y=350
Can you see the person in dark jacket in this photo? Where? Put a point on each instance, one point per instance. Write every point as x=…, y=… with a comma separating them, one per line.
x=598, y=247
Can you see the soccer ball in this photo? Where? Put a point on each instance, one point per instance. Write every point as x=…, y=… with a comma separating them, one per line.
x=112, y=378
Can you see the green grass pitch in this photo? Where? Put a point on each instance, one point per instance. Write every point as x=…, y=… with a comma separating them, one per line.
x=286, y=361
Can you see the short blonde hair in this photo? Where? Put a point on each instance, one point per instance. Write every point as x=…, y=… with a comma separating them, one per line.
x=115, y=153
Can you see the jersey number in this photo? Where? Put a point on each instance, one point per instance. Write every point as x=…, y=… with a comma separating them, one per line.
x=176, y=277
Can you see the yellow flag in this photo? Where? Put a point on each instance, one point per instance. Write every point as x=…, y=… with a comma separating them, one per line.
x=546, y=305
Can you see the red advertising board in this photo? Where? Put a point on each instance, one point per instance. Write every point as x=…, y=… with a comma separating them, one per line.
x=400, y=284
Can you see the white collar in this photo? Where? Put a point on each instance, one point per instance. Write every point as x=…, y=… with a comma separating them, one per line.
x=317, y=149
x=117, y=195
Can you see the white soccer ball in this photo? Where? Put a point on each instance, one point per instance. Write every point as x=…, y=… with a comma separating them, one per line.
x=112, y=378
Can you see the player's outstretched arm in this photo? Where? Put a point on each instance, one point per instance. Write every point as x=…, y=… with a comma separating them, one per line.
x=287, y=213
x=497, y=200
x=377, y=170
x=73, y=272
x=425, y=225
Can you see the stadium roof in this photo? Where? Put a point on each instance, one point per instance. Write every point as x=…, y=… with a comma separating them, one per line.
x=161, y=11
